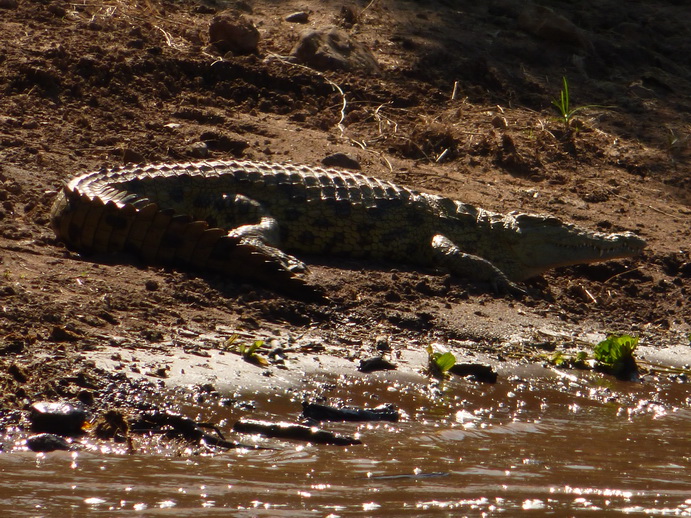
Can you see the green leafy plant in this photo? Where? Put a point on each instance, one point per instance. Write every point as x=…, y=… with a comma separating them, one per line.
x=615, y=356
x=249, y=352
x=563, y=105
x=440, y=363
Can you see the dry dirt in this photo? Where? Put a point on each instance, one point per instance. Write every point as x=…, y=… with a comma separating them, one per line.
x=91, y=84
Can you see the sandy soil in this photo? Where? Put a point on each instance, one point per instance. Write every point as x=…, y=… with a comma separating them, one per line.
x=102, y=83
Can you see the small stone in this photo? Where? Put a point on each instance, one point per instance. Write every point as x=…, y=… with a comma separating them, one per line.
x=480, y=372
x=233, y=33
x=376, y=363
x=341, y=160
x=130, y=156
x=298, y=17
x=500, y=122
x=46, y=442
x=151, y=285
x=199, y=150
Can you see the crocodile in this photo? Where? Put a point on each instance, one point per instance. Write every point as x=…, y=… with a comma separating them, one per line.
x=248, y=218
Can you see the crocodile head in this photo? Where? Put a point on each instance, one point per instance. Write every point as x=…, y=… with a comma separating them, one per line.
x=538, y=243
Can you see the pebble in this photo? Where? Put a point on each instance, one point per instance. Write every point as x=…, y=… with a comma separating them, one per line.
x=376, y=363
x=299, y=17
x=46, y=442
x=341, y=160
x=199, y=150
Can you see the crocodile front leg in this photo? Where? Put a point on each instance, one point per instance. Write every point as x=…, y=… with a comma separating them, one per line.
x=265, y=237
x=252, y=225
x=470, y=266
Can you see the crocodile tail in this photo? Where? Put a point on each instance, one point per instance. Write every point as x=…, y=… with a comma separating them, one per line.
x=156, y=236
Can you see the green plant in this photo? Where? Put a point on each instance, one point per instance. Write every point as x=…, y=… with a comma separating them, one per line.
x=615, y=356
x=563, y=105
x=249, y=352
x=440, y=363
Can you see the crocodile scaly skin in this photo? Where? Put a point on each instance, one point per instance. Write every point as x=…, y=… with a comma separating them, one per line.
x=245, y=218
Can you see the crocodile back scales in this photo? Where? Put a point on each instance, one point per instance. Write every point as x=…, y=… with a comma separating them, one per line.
x=181, y=213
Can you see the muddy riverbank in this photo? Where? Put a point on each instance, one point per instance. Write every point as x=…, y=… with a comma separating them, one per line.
x=458, y=102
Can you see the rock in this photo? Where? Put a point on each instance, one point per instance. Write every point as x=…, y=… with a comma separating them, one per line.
x=341, y=160
x=333, y=49
x=479, y=371
x=233, y=33
x=376, y=363
x=130, y=156
x=45, y=442
x=319, y=412
x=60, y=418
x=294, y=431
x=299, y=17
x=500, y=122
x=151, y=285
x=199, y=150
x=544, y=23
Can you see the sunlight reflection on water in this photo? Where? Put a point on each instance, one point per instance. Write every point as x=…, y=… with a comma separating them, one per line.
x=471, y=450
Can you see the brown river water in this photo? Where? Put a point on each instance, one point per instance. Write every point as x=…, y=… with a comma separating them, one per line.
x=564, y=444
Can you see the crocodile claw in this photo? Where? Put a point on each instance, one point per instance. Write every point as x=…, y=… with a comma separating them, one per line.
x=505, y=286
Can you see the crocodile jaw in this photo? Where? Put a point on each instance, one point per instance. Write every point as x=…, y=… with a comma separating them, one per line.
x=543, y=242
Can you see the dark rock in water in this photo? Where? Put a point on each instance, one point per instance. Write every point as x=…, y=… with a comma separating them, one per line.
x=57, y=417
x=341, y=160
x=479, y=371
x=45, y=442
x=333, y=49
x=233, y=33
x=329, y=413
x=376, y=363
x=294, y=431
